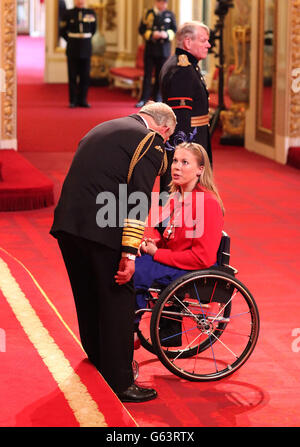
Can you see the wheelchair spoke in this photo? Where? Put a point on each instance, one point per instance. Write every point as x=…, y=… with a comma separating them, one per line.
x=186, y=348
x=220, y=341
x=213, y=354
x=179, y=333
x=186, y=308
x=198, y=298
x=225, y=306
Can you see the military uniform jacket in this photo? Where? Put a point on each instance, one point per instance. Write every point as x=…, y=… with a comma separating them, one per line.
x=77, y=27
x=184, y=90
x=92, y=196
x=155, y=21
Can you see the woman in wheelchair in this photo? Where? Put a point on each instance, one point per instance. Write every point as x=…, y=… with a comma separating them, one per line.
x=189, y=232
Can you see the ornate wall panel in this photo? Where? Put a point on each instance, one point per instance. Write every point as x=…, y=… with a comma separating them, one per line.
x=8, y=67
x=294, y=121
x=286, y=112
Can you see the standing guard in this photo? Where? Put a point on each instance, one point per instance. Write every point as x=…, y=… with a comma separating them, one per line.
x=158, y=29
x=184, y=89
x=77, y=27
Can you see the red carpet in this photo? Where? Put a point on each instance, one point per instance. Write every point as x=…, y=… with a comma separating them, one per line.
x=58, y=386
x=22, y=186
x=262, y=217
x=43, y=108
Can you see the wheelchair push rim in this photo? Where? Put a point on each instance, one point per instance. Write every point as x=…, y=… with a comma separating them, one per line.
x=213, y=317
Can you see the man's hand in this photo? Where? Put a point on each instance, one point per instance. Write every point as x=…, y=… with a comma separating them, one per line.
x=156, y=35
x=164, y=35
x=125, y=272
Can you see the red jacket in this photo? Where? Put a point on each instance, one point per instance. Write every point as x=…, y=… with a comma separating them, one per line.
x=192, y=237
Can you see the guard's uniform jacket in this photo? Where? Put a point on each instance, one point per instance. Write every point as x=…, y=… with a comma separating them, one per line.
x=77, y=27
x=184, y=90
x=156, y=51
x=101, y=164
x=156, y=21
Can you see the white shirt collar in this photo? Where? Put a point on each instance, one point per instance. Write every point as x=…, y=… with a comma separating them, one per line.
x=144, y=121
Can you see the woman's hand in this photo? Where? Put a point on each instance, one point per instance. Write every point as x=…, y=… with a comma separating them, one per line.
x=148, y=246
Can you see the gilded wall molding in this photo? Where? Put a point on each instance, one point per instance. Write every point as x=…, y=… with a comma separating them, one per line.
x=110, y=15
x=294, y=118
x=8, y=64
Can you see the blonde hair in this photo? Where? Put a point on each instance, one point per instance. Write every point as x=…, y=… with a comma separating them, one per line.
x=206, y=178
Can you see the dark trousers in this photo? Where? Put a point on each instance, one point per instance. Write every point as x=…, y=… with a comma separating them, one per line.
x=79, y=79
x=152, y=65
x=105, y=310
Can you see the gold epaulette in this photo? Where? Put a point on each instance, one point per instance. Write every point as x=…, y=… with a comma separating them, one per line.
x=183, y=61
x=133, y=233
x=149, y=19
x=148, y=34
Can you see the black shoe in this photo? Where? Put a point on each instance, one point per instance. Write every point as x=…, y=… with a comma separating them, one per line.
x=72, y=105
x=137, y=394
x=85, y=104
x=141, y=103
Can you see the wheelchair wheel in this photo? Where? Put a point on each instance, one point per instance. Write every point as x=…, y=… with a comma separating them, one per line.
x=213, y=321
x=144, y=334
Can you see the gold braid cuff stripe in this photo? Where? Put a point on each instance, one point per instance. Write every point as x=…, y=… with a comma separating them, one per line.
x=133, y=233
x=199, y=121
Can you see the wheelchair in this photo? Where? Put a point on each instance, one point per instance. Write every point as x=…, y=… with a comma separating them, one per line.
x=204, y=325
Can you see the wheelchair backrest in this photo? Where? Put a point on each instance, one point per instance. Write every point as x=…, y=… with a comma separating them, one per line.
x=223, y=254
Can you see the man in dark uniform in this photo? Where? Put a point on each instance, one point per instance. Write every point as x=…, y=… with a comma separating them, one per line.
x=99, y=232
x=158, y=29
x=184, y=90
x=77, y=27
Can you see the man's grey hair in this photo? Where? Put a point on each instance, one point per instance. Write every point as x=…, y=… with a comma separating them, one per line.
x=189, y=29
x=162, y=114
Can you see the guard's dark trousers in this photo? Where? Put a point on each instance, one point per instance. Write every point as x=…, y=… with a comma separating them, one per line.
x=79, y=79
